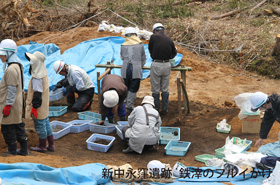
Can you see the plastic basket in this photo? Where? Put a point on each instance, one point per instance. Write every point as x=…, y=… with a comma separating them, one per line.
x=204, y=157
x=123, y=123
x=91, y=145
x=57, y=111
x=87, y=115
x=220, y=151
x=65, y=129
x=103, y=129
x=177, y=148
x=79, y=126
x=56, y=95
x=223, y=131
x=119, y=131
x=169, y=133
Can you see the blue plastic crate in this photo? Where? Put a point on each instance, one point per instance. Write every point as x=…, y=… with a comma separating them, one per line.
x=169, y=133
x=91, y=145
x=65, y=129
x=103, y=129
x=177, y=148
x=56, y=95
x=88, y=115
x=57, y=111
x=119, y=131
x=220, y=151
x=79, y=126
x=123, y=123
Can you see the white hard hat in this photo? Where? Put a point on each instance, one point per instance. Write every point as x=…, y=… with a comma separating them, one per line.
x=58, y=66
x=148, y=99
x=258, y=99
x=8, y=45
x=129, y=30
x=154, y=166
x=157, y=25
x=111, y=98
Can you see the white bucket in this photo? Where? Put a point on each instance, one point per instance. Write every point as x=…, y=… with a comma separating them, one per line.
x=178, y=169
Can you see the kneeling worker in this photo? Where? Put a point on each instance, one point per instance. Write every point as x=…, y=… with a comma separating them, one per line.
x=114, y=92
x=144, y=123
x=77, y=80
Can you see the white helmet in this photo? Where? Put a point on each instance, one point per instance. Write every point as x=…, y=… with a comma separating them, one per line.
x=58, y=66
x=258, y=99
x=157, y=25
x=148, y=99
x=154, y=166
x=8, y=45
x=111, y=98
x=129, y=30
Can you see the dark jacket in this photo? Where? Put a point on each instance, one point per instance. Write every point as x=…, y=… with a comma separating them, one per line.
x=161, y=47
x=112, y=82
x=270, y=116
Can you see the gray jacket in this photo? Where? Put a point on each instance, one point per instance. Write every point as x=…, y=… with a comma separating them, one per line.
x=134, y=54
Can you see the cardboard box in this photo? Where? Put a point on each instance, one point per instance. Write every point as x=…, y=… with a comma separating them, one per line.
x=251, y=124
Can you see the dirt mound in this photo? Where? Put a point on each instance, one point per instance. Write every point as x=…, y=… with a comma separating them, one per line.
x=209, y=86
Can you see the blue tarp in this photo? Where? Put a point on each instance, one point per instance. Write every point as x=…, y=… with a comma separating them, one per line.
x=91, y=174
x=34, y=174
x=84, y=55
x=270, y=149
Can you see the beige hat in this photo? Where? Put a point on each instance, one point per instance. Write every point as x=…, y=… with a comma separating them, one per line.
x=111, y=98
x=37, y=60
x=148, y=99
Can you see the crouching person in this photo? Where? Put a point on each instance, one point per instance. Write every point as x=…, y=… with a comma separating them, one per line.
x=114, y=92
x=11, y=99
x=38, y=101
x=76, y=81
x=144, y=123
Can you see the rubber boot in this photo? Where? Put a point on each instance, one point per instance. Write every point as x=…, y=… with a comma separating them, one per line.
x=128, y=150
x=12, y=148
x=122, y=119
x=130, y=99
x=111, y=119
x=165, y=102
x=42, y=146
x=51, y=143
x=156, y=101
x=23, y=147
x=71, y=99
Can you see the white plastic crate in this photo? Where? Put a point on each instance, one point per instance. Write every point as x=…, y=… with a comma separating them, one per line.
x=103, y=129
x=65, y=129
x=79, y=126
x=56, y=95
x=91, y=145
x=57, y=111
x=169, y=133
x=119, y=131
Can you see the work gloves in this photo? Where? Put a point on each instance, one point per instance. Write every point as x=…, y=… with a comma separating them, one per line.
x=62, y=83
x=34, y=113
x=6, y=111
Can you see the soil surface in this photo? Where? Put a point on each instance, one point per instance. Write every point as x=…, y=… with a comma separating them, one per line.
x=211, y=89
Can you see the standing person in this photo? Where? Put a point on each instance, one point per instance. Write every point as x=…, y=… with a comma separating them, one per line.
x=37, y=103
x=114, y=92
x=144, y=123
x=271, y=106
x=12, y=99
x=134, y=57
x=76, y=81
x=161, y=49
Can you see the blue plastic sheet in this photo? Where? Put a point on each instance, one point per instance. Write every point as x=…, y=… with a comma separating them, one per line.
x=270, y=149
x=84, y=55
x=34, y=174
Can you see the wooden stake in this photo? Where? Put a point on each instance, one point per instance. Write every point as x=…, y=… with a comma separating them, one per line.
x=99, y=90
x=108, y=70
x=185, y=95
x=179, y=99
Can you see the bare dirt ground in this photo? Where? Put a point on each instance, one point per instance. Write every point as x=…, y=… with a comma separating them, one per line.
x=208, y=85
